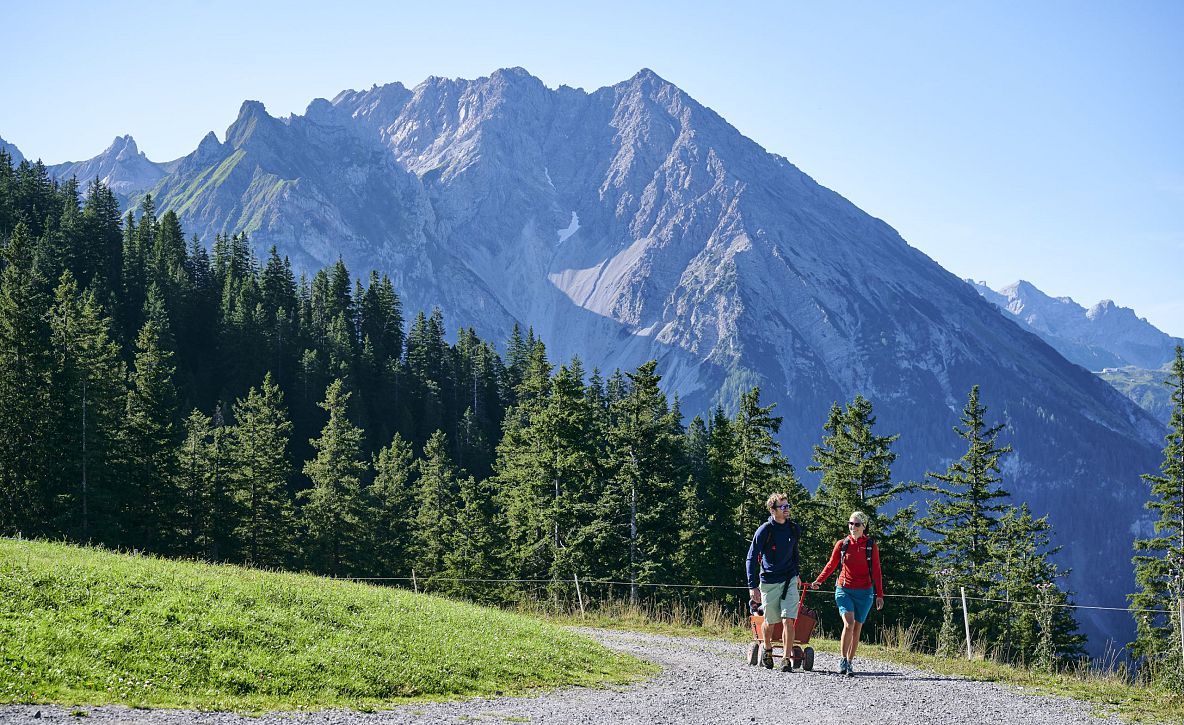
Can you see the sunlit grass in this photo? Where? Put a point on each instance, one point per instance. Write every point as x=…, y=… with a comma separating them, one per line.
x=85, y=626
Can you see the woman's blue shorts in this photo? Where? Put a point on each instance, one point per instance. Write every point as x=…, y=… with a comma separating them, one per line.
x=856, y=601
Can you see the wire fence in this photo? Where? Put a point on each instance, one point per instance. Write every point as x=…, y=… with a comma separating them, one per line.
x=437, y=579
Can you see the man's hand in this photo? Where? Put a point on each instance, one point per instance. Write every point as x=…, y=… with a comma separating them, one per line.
x=755, y=595
x=813, y=585
x=879, y=603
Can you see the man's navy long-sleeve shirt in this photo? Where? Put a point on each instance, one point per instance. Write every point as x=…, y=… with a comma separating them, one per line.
x=774, y=551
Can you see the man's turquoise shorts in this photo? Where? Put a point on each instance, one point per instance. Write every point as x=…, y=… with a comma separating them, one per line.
x=856, y=601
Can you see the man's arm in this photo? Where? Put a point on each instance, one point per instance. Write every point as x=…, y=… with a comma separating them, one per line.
x=797, y=550
x=752, y=563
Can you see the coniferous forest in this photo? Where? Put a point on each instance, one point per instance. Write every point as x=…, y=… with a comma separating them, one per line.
x=185, y=397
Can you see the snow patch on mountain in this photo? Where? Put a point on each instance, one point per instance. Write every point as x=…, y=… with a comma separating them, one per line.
x=572, y=228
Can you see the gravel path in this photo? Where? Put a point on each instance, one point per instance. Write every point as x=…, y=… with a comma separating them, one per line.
x=703, y=681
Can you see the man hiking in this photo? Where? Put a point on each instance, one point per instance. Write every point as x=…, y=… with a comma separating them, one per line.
x=774, y=553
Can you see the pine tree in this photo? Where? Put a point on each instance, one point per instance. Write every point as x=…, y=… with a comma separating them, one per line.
x=334, y=505
x=646, y=472
x=966, y=513
x=856, y=464
x=708, y=542
x=436, y=521
x=193, y=485
x=226, y=503
x=87, y=405
x=259, y=443
x=1159, y=561
x=151, y=437
x=25, y=374
x=391, y=515
x=965, y=516
x=757, y=467
x=476, y=550
x=1021, y=571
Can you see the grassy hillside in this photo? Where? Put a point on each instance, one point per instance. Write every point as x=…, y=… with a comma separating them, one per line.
x=1145, y=387
x=82, y=625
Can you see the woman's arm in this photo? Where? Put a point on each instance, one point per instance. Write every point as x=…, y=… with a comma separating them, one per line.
x=876, y=575
x=830, y=565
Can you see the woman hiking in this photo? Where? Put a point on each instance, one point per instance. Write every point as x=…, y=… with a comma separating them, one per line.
x=859, y=582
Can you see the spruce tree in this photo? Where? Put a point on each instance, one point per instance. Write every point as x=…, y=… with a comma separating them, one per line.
x=151, y=437
x=259, y=443
x=195, y=513
x=25, y=375
x=334, y=505
x=965, y=515
x=87, y=405
x=647, y=470
x=856, y=464
x=226, y=502
x=758, y=466
x=477, y=544
x=391, y=514
x=436, y=521
x=1159, y=561
x=1021, y=571
x=708, y=545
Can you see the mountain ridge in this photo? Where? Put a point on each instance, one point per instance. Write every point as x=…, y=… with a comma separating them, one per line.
x=1106, y=335
x=632, y=222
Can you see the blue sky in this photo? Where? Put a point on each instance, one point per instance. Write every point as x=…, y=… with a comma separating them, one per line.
x=1006, y=140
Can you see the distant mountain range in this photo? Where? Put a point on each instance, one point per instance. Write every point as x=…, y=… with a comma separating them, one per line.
x=632, y=222
x=1128, y=351
x=1104, y=336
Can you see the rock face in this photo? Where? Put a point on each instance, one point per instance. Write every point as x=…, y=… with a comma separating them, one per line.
x=1104, y=336
x=13, y=152
x=631, y=223
x=122, y=167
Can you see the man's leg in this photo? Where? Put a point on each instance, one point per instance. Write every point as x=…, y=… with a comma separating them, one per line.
x=772, y=611
x=767, y=631
x=788, y=638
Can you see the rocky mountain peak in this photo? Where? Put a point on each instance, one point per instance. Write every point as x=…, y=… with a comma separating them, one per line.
x=123, y=148
x=13, y=152
x=1106, y=335
x=252, y=119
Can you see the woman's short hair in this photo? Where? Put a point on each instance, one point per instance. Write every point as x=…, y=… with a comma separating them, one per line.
x=861, y=517
x=773, y=499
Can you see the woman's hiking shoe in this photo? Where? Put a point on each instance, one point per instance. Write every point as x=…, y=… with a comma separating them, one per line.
x=767, y=660
x=843, y=666
x=786, y=664
x=850, y=670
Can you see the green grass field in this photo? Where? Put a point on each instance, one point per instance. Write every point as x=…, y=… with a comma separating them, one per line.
x=85, y=626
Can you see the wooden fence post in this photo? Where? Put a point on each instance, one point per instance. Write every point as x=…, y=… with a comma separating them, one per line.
x=966, y=622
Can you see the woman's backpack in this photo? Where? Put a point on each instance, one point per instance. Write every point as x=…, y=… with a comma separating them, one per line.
x=868, y=550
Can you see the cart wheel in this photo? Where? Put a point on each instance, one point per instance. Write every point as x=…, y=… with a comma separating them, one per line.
x=754, y=653
x=796, y=659
x=808, y=659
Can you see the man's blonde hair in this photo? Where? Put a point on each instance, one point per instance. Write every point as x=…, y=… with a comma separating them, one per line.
x=774, y=498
